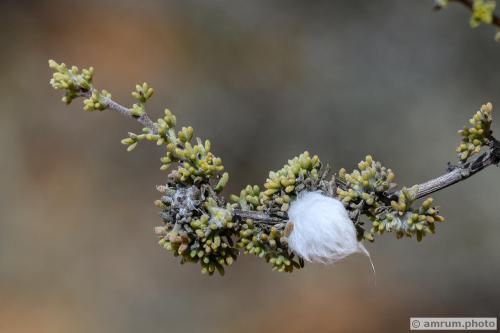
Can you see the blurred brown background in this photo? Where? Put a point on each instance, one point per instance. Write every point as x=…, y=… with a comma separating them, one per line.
x=264, y=80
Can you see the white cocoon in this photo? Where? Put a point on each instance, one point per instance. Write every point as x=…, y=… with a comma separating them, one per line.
x=322, y=231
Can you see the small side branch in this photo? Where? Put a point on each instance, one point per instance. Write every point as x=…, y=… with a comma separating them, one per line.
x=459, y=173
x=118, y=108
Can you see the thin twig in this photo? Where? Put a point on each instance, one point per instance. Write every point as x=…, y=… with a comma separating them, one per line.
x=258, y=217
x=458, y=174
x=113, y=106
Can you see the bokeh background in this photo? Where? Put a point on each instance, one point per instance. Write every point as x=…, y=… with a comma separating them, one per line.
x=264, y=80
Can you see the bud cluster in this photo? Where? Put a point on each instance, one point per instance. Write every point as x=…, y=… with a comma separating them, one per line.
x=270, y=244
x=197, y=227
x=482, y=12
x=477, y=134
x=71, y=80
x=281, y=187
x=366, y=191
x=405, y=220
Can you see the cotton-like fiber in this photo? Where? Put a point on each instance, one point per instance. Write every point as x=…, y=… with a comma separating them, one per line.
x=322, y=231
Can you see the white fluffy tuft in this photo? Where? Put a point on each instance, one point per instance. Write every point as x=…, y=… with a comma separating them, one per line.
x=322, y=231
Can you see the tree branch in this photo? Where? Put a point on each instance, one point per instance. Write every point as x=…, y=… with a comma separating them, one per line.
x=454, y=175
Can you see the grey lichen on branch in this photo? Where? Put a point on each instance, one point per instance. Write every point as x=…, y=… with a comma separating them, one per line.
x=200, y=226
